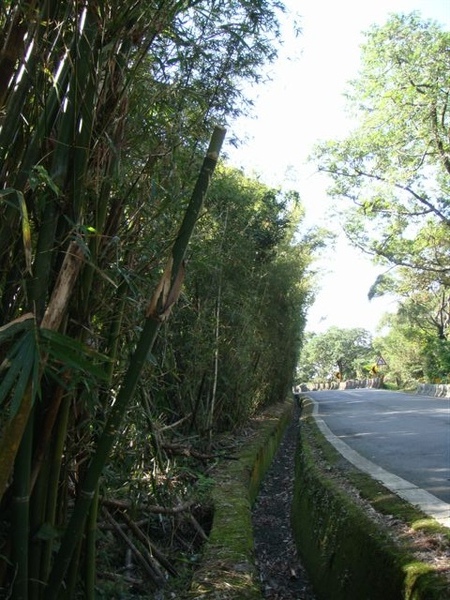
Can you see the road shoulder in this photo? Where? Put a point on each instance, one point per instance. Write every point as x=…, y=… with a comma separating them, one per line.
x=413, y=538
x=426, y=502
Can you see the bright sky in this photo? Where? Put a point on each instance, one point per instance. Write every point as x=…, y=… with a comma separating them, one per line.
x=304, y=104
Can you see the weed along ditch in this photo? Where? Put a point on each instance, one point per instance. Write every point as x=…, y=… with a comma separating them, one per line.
x=294, y=521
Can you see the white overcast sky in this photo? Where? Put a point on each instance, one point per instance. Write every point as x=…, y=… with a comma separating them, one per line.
x=303, y=104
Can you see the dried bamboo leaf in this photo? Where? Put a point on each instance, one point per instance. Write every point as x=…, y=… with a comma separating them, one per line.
x=174, y=291
x=159, y=298
x=167, y=293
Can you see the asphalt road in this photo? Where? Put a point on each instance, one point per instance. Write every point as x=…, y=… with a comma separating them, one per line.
x=406, y=435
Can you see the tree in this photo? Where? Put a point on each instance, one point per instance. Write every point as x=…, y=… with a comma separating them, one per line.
x=235, y=342
x=422, y=320
x=395, y=165
x=424, y=300
x=402, y=348
x=348, y=352
x=416, y=345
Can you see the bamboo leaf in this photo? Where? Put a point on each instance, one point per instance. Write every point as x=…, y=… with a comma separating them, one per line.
x=20, y=324
x=21, y=360
x=74, y=354
x=29, y=357
x=13, y=366
x=26, y=231
x=8, y=380
x=39, y=177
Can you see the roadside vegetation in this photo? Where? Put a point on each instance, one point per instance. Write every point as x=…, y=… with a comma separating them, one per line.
x=152, y=298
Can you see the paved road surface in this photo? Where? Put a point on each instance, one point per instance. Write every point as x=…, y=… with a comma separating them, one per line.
x=406, y=436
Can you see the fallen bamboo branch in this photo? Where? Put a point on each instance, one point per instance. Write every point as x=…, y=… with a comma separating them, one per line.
x=155, y=509
x=147, y=562
x=159, y=556
x=198, y=528
x=182, y=450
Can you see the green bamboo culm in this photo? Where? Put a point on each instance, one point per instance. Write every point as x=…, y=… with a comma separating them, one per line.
x=91, y=538
x=20, y=515
x=159, y=309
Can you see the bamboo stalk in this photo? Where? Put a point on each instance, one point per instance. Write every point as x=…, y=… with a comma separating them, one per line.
x=18, y=155
x=62, y=291
x=38, y=285
x=46, y=432
x=73, y=571
x=198, y=528
x=38, y=500
x=160, y=307
x=11, y=437
x=91, y=539
x=55, y=461
x=86, y=83
x=211, y=410
x=20, y=514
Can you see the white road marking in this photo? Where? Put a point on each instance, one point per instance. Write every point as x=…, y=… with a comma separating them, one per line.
x=429, y=504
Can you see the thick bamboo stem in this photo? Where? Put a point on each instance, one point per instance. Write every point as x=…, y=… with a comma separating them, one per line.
x=91, y=539
x=54, y=478
x=20, y=515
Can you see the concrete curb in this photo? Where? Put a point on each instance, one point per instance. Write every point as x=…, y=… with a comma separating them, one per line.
x=228, y=570
x=348, y=554
x=438, y=390
x=429, y=504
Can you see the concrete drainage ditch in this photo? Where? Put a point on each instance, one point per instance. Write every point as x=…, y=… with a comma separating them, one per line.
x=348, y=554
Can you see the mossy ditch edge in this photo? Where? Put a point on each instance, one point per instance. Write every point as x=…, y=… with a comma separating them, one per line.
x=227, y=570
x=348, y=555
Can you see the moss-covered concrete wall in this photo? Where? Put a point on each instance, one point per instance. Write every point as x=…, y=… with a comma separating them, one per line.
x=347, y=554
x=228, y=569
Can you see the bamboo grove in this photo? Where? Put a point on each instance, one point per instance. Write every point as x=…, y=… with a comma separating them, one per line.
x=131, y=310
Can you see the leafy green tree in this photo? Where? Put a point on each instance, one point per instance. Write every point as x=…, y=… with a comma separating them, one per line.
x=235, y=342
x=395, y=165
x=423, y=309
x=348, y=352
x=402, y=348
x=394, y=168
x=415, y=345
x=422, y=299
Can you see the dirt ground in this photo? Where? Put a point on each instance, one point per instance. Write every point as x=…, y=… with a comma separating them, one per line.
x=282, y=575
